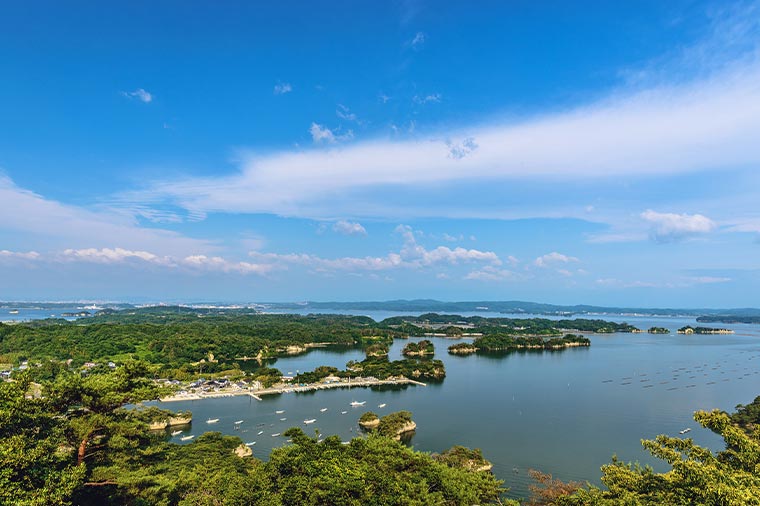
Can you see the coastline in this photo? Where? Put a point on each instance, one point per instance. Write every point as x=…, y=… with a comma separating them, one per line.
x=286, y=389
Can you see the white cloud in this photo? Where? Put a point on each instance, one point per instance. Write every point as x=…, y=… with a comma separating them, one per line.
x=411, y=256
x=321, y=134
x=426, y=99
x=668, y=227
x=139, y=94
x=349, y=228
x=553, y=258
x=282, y=88
x=51, y=224
x=345, y=113
x=18, y=255
x=489, y=273
x=112, y=256
x=457, y=151
x=203, y=262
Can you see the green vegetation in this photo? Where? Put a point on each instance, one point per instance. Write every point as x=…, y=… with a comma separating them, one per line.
x=463, y=457
x=688, y=329
x=368, y=417
x=747, y=417
x=509, y=343
x=420, y=348
x=382, y=368
x=78, y=443
x=394, y=424
x=658, y=330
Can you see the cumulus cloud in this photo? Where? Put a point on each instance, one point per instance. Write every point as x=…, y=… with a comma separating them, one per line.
x=320, y=134
x=282, y=88
x=139, y=94
x=112, y=256
x=669, y=227
x=349, y=228
x=552, y=259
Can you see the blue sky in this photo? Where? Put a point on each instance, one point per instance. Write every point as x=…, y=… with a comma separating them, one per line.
x=248, y=151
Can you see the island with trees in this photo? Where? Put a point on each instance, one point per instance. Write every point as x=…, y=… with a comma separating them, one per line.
x=419, y=348
x=658, y=330
x=688, y=329
x=507, y=343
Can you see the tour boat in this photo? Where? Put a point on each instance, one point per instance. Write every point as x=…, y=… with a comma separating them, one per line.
x=186, y=438
x=176, y=433
x=684, y=431
x=381, y=405
x=212, y=420
x=310, y=421
x=323, y=410
x=357, y=403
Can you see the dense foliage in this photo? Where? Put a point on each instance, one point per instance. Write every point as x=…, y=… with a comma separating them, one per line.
x=79, y=443
x=423, y=347
x=503, y=342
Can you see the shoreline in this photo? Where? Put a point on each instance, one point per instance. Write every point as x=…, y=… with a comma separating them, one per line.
x=286, y=389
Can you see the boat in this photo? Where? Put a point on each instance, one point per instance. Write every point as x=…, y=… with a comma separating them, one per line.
x=176, y=433
x=307, y=422
x=283, y=419
x=684, y=431
x=186, y=438
x=357, y=403
x=238, y=422
x=275, y=434
x=212, y=420
x=260, y=432
x=323, y=410
x=251, y=443
x=280, y=411
x=343, y=412
x=13, y=311
x=381, y=405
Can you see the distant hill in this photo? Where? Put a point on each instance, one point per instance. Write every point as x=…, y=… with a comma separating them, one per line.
x=512, y=307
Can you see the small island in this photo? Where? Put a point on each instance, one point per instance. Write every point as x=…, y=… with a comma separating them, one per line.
x=688, y=329
x=420, y=348
x=393, y=425
x=658, y=330
x=500, y=343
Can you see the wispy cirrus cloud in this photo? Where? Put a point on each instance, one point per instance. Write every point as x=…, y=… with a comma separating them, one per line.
x=320, y=134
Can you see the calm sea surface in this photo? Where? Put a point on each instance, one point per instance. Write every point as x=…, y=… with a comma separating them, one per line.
x=564, y=412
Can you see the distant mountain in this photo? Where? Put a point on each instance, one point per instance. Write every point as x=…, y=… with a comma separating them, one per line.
x=514, y=306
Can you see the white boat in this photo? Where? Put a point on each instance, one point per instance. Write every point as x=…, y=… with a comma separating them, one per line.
x=251, y=443
x=357, y=403
x=307, y=422
x=343, y=412
x=275, y=434
x=381, y=405
x=260, y=432
x=283, y=419
x=323, y=410
x=176, y=433
x=238, y=422
x=13, y=311
x=212, y=420
x=186, y=438
x=684, y=431
x=280, y=411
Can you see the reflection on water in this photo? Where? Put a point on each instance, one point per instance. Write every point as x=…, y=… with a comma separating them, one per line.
x=562, y=412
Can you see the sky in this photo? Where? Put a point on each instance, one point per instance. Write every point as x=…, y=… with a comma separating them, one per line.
x=565, y=152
